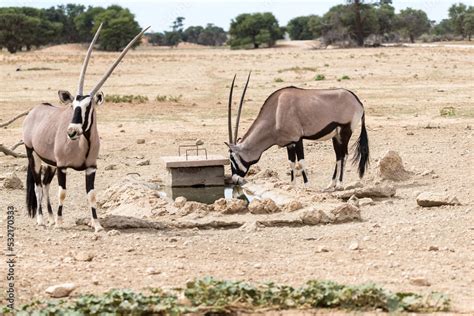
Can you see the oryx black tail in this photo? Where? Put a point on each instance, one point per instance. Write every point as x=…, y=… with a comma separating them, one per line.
x=361, y=155
x=31, y=203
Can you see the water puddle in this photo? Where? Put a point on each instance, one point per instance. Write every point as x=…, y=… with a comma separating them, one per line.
x=208, y=195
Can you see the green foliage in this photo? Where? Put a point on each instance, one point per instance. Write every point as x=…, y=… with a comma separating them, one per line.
x=320, y=77
x=168, y=98
x=117, y=98
x=298, y=69
x=210, y=296
x=457, y=15
x=254, y=30
x=412, y=23
x=211, y=35
x=119, y=27
x=304, y=27
x=447, y=111
x=345, y=77
x=278, y=80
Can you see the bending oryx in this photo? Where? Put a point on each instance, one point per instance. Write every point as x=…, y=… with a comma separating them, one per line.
x=290, y=115
x=62, y=138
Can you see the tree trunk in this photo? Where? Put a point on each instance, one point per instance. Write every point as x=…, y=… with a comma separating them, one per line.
x=412, y=38
x=358, y=24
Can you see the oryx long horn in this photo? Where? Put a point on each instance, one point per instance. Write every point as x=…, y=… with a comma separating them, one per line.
x=240, y=108
x=80, y=88
x=122, y=54
x=229, y=114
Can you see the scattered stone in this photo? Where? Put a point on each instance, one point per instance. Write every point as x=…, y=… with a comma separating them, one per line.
x=140, y=141
x=429, y=199
x=235, y=206
x=320, y=249
x=219, y=205
x=410, y=133
x=366, y=201
x=353, y=185
x=419, y=281
x=111, y=167
x=60, y=290
x=353, y=200
x=192, y=207
x=113, y=232
x=180, y=201
x=199, y=142
x=390, y=253
x=267, y=173
x=390, y=167
x=265, y=206
x=23, y=168
x=144, y=162
x=84, y=256
x=345, y=212
x=249, y=227
x=11, y=181
x=257, y=266
x=433, y=248
x=152, y=271
x=315, y=217
x=354, y=245
x=293, y=206
x=373, y=191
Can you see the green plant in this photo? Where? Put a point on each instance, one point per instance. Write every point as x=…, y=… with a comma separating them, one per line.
x=319, y=77
x=345, y=77
x=447, y=111
x=211, y=296
x=117, y=98
x=298, y=69
x=278, y=80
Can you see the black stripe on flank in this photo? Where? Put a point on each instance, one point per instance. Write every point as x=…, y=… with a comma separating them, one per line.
x=355, y=96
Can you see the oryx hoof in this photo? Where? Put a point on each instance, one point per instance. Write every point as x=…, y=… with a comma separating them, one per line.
x=98, y=229
x=59, y=223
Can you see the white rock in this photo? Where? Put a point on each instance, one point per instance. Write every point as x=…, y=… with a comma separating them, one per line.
x=144, y=162
x=419, y=281
x=293, y=206
x=249, y=227
x=429, y=199
x=180, y=201
x=354, y=245
x=113, y=232
x=320, y=249
x=152, y=271
x=84, y=256
x=60, y=290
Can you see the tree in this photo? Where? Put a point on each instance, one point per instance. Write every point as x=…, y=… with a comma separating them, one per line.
x=191, y=34
x=298, y=28
x=17, y=30
x=457, y=14
x=385, y=15
x=254, y=29
x=413, y=23
x=212, y=35
x=315, y=25
x=155, y=39
x=84, y=23
x=119, y=27
x=443, y=28
x=362, y=20
x=469, y=22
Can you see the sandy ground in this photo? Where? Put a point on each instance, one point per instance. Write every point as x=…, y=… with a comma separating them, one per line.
x=403, y=90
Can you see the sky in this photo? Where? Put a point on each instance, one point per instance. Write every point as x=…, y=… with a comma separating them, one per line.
x=160, y=14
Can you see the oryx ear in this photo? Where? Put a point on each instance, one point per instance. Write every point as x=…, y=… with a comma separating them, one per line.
x=65, y=97
x=99, y=98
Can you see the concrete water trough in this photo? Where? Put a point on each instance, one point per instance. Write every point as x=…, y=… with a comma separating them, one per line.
x=195, y=171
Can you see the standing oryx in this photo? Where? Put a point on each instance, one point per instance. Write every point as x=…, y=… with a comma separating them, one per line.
x=62, y=138
x=290, y=115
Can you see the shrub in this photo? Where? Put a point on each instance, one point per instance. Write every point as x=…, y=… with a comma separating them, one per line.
x=320, y=77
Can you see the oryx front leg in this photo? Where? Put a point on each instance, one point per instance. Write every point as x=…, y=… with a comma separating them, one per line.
x=61, y=195
x=90, y=179
x=292, y=160
x=38, y=188
x=300, y=156
x=48, y=177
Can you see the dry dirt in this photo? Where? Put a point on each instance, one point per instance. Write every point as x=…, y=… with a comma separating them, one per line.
x=403, y=90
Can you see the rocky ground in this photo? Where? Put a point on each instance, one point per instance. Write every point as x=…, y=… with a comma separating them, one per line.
x=397, y=242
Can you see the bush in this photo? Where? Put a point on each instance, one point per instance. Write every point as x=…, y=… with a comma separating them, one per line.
x=254, y=30
x=116, y=98
x=278, y=80
x=320, y=77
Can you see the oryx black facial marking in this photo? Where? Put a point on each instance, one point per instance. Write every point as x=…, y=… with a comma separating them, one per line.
x=66, y=138
x=290, y=115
